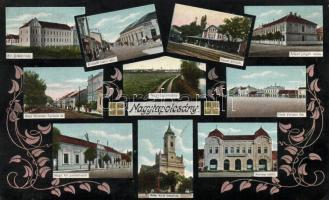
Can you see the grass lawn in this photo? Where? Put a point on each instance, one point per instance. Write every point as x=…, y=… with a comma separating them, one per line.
x=143, y=83
x=63, y=52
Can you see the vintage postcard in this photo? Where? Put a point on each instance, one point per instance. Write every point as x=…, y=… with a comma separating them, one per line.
x=119, y=35
x=287, y=31
x=237, y=149
x=165, y=159
x=164, y=78
x=42, y=32
x=62, y=93
x=266, y=91
x=89, y=150
x=210, y=35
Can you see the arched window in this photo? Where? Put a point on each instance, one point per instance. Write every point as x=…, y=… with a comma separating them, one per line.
x=262, y=165
x=250, y=165
x=213, y=164
x=237, y=164
x=226, y=164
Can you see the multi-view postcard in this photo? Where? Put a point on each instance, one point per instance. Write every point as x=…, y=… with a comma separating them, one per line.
x=237, y=150
x=163, y=78
x=266, y=91
x=62, y=92
x=165, y=159
x=210, y=35
x=92, y=150
x=42, y=33
x=287, y=31
x=119, y=35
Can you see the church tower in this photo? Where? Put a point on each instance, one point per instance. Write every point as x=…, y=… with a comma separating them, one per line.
x=169, y=143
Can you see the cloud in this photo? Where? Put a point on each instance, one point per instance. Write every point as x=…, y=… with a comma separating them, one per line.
x=110, y=37
x=188, y=173
x=128, y=17
x=202, y=135
x=142, y=160
x=179, y=141
x=297, y=82
x=26, y=17
x=313, y=15
x=263, y=74
x=149, y=147
x=103, y=21
x=271, y=13
x=231, y=130
x=77, y=80
x=188, y=162
x=111, y=136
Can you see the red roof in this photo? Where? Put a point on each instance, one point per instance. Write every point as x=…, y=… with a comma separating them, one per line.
x=289, y=18
x=12, y=36
x=261, y=132
x=84, y=143
x=274, y=155
x=258, y=133
x=216, y=133
x=49, y=25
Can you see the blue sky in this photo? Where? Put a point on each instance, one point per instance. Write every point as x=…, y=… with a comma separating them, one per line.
x=62, y=80
x=119, y=136
x=267, y=14
x=110, y=24
x=290, y=77
x=17, y=16
x=236, y=129
x=150, y=141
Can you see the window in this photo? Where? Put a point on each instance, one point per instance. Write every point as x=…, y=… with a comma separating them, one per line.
x=265, y=149
x=259, y=150
x=232, y=149
x=210, y=150
x=86, y=161
x=249, y=149
x=66, y=158
x=171, y=144
x=216, y=149
x=77, y=159
x=226, y=149
x=243, y=149
x=238, y=150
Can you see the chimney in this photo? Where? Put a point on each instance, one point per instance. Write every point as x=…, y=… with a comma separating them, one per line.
x=290, y=13
x=295, y=14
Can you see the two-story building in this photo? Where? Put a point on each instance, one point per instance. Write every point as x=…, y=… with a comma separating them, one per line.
x=238, y=152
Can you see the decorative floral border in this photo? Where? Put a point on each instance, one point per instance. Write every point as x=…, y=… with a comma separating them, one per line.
x=112, y=89
x=297, y=140
x=33, y=163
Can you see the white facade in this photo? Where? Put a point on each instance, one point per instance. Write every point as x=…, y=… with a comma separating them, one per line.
x=212, y=33
x=147, y=28
x=71, y=157
x=42, y=34
x=272, y=91
x=238, y=153
x=244, y=91
x=294, y=29
x=94, y=83
x=12, y=40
